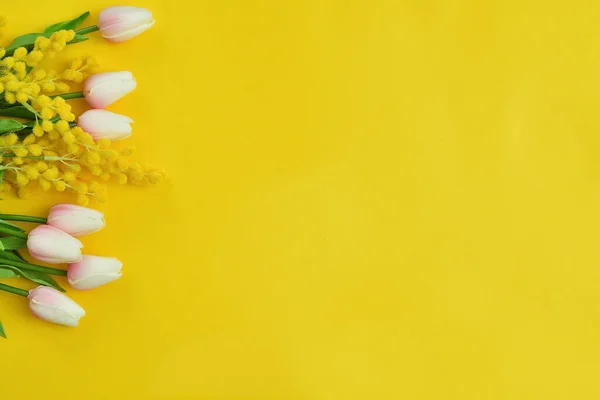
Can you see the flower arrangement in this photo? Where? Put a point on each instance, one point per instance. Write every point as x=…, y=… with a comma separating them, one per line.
x=44, y=145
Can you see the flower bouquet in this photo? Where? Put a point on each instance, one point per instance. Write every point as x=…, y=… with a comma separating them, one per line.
x=45, y=146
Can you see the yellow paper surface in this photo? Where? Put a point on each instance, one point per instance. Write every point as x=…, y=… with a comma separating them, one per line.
x=366, y=200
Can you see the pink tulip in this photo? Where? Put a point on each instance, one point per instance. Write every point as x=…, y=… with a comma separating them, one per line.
x=101, y=90
x=105, y=124
x=121, y=23
x=75, y=220
x=51, y=245
x=93, y=271
x=51, y=305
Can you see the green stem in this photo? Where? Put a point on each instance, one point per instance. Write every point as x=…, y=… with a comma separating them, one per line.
x=14, y=290
x=12, y=232
x=68, y=96
x=85, y=31
x=33, y=267
x=24, y=218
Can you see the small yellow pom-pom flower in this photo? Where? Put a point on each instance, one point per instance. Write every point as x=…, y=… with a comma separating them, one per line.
x=51, y=173
x=10, y=98
x=35, y=149
x=11, y=139
x=62, y=87
x=20, y=53
x=31, y=172
x=34, y=58
x=42, y=43
x=60, y=186
x=68, y=137
x=38, y=131
x=21, y=179
x=44, y=184
x=47, y=113
x=47, y=126
x=82, y=200
x=22, y=97
x=41, y=166
x=19, y=66
x=48, y=87
x=62, y=126
x=53, y=135
x=20, y=152
x=93, y=158
x=122, y=179
x=69, y=177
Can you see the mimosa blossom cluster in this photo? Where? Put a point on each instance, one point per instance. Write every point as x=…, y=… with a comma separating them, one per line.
x=44, y=144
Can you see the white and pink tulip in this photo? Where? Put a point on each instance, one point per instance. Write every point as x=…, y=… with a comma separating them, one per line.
x=121, y=23
x=93, y=271
x=49, y=244
x=75, y=220
x=51, y=305
x=101, y=90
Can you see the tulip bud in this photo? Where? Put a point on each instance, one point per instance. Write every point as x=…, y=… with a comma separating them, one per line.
x=51, y=245
x=105, y=124
x=51, y=305
x=75, y=220
x=101, y=90
x=93, y=271
x=121, y=23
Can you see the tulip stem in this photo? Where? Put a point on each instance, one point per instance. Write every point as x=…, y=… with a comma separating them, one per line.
x=14, y=290
x=33, y=267
x=85, y=31
x=68, y=96
x=12, y=232
x=23, y=218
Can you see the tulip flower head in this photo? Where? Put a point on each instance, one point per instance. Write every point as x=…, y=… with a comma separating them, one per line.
x=75, y=220
x=101, y=90
x=49, y=244
x=93, y=271
x=121, y=23
x=51, y=305
x=105, y=124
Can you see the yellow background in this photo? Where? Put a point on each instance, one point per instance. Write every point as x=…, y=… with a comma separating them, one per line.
x=366, y=200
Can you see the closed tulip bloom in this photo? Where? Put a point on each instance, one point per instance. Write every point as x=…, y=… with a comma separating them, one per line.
x=121, y=23
x=49, y=244
x=93, y=271
x=51, y=305
x=75, y=220
x=105, y=124
x=101, y=90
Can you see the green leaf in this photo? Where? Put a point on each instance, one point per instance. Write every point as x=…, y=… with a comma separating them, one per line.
x=18, y=256
x=17, y=112
x=12, y=243
x=67, y=25
x=7, y=273
x=2, y=332
x=13, y=226
x=1, y=176
x=9, y=255
x=28, y=41
x=10, y=125
x=37, y=277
